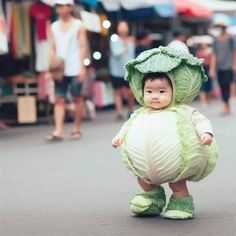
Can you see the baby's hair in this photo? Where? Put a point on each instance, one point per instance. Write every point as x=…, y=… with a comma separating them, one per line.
x=154, y=76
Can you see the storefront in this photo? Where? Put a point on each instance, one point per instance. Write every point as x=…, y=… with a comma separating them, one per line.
x=25, y=44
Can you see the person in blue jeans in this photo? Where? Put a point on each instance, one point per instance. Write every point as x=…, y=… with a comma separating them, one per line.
x=69, y=42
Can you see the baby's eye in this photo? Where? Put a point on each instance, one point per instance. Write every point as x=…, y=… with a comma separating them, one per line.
x=149, y=91
x=162, y=91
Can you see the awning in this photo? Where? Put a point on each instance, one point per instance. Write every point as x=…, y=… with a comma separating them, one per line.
x=90, y=3
x=222, y=19
x=218, y=6
x=139, y=9
x=191, y=9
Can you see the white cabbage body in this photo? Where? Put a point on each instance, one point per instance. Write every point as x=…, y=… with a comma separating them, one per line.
x=154, y=149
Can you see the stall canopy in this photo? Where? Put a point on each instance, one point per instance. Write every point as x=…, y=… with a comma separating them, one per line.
x=219, y=6
x=90, y=3
x=222, y=19
x=192, y=9
x=138, y=9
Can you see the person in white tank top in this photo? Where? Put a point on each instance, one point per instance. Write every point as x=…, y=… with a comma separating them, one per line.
x=68, y=42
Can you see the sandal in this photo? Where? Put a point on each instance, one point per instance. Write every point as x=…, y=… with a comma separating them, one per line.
x=53, y=138
x=75, y=135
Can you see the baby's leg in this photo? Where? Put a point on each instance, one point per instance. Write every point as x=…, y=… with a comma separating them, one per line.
x=179, y=189
x=146, y=187
x=150, y=201
x=180, y=205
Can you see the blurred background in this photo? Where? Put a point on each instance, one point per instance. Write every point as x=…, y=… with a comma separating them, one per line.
x=82, y=188
x=26, y=97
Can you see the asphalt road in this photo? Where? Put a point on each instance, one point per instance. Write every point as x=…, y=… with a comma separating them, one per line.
x=81, y=188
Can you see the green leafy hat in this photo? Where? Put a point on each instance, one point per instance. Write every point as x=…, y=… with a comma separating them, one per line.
x=184, y=70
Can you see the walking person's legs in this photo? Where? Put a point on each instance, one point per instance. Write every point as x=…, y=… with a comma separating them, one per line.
x=119, y=102
x=118, y=84
x=225, y=78
x=59, y=110
x=78, y=114
x=3, y=126
x=203, y=98
x=76, y=90
x=59, y=116
x=130, y=99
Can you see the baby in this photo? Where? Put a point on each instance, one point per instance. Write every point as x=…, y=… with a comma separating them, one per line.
x=165, y=141
x=157, y=94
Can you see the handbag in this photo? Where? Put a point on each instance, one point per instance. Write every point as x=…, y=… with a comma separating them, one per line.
x=57, y=66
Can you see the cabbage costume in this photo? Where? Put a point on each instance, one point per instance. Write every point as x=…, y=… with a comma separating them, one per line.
x=163, y=146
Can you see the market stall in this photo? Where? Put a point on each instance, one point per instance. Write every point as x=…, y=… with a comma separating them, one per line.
x=25, y=42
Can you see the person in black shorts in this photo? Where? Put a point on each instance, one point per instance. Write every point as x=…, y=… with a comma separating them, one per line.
x=122, y=49
x=223, y=64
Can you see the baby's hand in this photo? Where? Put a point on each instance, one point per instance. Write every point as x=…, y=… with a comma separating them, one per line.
x=116, y=141
x=206, y=139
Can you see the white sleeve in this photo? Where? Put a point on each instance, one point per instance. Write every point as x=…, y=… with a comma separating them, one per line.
x=123, y=130
x=201, y=123
x=126, y=125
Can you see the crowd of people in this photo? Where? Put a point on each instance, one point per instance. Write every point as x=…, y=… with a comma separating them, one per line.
x=69, y=42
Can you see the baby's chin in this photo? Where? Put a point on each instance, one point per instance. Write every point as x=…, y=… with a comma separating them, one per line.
x=158, y=107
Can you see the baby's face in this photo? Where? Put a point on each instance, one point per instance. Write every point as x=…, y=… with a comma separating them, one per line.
x=157, y=93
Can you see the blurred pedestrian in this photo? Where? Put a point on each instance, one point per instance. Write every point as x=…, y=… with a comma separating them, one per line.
x=122, y=49
x=69, y=42
x=143, y=42
x=178, y=43
x=223, y=61
x=3, y=126
x=206, y=88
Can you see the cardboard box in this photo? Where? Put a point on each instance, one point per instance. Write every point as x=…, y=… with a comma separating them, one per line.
x=26, y=109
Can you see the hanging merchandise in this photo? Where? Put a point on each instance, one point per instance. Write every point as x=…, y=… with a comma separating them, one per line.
x=91, y=21
x=41, y=14
x=18, y=22
x=3, y=32
x=103, y=94
x=42, y=55
x=26, y=28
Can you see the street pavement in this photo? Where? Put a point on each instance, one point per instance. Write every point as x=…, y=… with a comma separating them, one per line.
x=82, y=188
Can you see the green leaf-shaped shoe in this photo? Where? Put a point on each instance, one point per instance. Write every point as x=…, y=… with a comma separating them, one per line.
x=149, y=203
x=179, y=208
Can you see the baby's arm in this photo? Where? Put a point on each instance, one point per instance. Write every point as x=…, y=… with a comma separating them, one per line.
x=117, y=140
x=203, y=127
